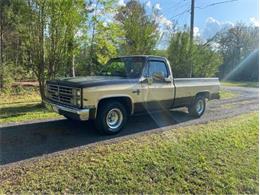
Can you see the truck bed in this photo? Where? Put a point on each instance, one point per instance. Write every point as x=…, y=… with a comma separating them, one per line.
x=189, y=87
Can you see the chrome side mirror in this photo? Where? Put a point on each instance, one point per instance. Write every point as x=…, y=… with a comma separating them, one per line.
x=147, y=80
x=158, y=76
x=143, y=80
x=168, y=79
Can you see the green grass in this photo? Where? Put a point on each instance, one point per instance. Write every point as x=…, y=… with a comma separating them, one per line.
x=24, y=112
x=219, y=157
x=23, y=106
x=240, y=84
x=225, y=94
x=20, y=95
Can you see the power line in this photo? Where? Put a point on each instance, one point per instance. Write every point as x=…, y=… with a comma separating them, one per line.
x=203, y=7
x=177, y=6
x=179, y=14
x=216, y=3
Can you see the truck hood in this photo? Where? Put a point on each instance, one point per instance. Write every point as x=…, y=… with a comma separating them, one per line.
x=92, y=81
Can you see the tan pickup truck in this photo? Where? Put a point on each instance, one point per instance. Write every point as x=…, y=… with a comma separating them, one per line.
x=126, y=86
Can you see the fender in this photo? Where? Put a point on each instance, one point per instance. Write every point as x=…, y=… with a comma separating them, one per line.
x=116, y=96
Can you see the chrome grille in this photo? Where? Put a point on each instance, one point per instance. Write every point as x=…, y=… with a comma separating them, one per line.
x=60, y=94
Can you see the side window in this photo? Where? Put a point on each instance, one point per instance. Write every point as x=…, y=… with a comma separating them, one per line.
x=158, y=69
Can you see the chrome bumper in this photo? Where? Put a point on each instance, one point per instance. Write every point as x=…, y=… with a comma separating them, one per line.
x=80, y=114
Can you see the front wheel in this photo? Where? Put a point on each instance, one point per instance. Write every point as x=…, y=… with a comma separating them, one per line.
x=198, y=107
x=111, y=117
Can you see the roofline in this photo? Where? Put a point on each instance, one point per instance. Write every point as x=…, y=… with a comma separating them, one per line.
x=144, y=56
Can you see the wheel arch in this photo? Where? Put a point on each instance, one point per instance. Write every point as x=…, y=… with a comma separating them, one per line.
x=125, y=100
x=205, y=94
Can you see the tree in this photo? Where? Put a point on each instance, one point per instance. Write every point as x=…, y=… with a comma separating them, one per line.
x=104, y=35
x=10, y=42
x=179, y=54
x=140, y=29
x=235, y=45
x=73, y=20
x=205, y=59
x=48, y=30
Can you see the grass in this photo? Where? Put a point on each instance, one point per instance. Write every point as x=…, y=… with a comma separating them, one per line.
x=220, y=157
x=23, y=95
x=225, y=94
x=23, y=106
x=240, y=84
x=24, y=112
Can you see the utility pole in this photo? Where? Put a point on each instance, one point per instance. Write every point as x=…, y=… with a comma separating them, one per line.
x=191, y=33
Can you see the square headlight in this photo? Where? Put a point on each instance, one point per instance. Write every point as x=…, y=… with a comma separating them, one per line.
x=78, y=92
x=78, y=102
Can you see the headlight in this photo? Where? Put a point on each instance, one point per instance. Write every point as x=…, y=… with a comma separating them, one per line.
x=78, y=92
x=78, y=102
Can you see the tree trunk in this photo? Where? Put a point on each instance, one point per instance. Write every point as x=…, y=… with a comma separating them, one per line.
x=73, y=66
x=41, y=69
x=42, y=91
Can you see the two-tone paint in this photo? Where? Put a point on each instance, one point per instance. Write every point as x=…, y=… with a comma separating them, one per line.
x=142, y=93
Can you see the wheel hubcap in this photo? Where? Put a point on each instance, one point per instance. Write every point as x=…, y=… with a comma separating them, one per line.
x=114, y=118
x=200, y=106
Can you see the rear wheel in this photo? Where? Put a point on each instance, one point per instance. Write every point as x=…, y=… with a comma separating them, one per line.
x=111, y=117
x=198, y=107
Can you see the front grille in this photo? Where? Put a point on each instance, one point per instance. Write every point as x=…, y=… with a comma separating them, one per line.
x=60, y=94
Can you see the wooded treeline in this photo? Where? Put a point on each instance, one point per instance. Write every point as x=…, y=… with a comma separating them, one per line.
x=46, y=39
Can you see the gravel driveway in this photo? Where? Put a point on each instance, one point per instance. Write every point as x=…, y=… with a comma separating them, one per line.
x=34, y=139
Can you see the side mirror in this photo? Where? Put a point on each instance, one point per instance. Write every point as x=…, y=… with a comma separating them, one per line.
x=147, y=80
x=158, y=76
x=168, y=79
x=143, y=80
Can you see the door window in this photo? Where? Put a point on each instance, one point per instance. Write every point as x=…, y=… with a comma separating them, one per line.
x=158, y=70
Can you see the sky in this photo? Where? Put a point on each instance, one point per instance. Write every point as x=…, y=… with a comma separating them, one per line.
x=208, y=19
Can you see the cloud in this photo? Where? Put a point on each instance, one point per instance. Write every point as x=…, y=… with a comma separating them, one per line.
x=196, y=31
x=165, y=27
x=157, y=6
x=164, y=21
x=254, y=21
x=213, y=26
x=148, y=4
x=121, y=3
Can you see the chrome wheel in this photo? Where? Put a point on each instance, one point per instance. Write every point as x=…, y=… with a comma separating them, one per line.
x=114, y=118
x=200, y=106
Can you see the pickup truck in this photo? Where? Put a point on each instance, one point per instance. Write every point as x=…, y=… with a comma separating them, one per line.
x=128, y=85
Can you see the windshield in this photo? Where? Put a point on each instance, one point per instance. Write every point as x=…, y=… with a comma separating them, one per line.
x=124, y=67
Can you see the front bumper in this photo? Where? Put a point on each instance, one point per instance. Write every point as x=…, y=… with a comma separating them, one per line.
x=78, y=114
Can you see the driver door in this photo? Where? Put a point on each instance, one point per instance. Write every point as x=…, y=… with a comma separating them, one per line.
x=160, y=87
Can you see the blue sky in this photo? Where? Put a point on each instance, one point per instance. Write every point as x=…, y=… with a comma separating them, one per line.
x=209, y=19
x=240, y=10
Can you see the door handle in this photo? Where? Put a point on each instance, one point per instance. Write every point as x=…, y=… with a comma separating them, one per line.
x=136, y=91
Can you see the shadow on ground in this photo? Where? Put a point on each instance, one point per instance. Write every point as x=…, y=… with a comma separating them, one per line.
x=31, y=140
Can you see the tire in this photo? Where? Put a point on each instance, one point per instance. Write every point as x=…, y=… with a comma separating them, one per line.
x=198, y=107
x=111, y=117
